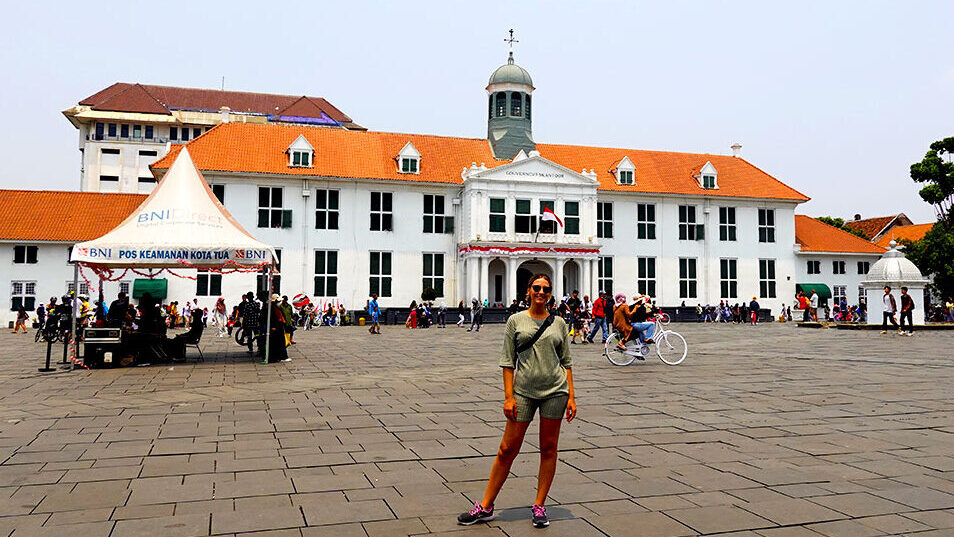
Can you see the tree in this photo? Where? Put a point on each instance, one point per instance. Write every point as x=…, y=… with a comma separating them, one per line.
x=936, y=172
x=841, y=224
x=934, y=253
x=934, y=256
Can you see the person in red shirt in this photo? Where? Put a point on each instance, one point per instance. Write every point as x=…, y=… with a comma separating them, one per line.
x=601, y=311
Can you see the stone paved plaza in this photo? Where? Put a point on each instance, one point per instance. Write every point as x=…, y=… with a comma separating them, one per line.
x=768, y=431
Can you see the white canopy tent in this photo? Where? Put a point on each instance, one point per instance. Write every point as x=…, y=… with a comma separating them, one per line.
x=180, y=225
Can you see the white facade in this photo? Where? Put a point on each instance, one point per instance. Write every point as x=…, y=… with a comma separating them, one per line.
x=856, y=266
x=50, y=276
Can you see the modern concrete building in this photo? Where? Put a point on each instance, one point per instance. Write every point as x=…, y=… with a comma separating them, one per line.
x=126, y=127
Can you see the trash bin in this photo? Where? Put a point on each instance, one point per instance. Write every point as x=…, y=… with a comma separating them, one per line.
x=361, y=321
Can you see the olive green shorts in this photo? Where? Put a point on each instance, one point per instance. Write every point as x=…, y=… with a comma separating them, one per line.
x=552, y=408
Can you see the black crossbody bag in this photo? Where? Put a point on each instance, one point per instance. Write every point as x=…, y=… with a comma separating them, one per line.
x=521, y=348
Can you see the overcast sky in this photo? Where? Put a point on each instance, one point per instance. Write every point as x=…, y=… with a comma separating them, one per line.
x=836, y=99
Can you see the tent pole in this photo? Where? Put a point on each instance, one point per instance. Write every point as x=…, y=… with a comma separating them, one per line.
x=268, y=309
x=75, y=308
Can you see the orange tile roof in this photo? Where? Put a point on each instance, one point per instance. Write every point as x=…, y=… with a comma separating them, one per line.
x=911, y=233
x=817, y=236
x=870, y=226
x=50, y=215
x=257, y=148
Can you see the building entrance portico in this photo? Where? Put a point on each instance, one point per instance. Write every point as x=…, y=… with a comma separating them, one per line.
x=500, y=273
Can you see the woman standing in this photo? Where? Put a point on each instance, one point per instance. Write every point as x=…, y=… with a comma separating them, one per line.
x=22, y=317
x=537, y=373
x=218, y=317
x=461, y=310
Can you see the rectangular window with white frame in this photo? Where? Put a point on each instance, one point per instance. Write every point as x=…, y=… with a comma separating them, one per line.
x=604, y=219
x=124, y=287
x=604, y=273
x=571, y=218
x=864, y=267
x=433, y=213
x=646, y=275
x=547, y=226
x=380, y=274
x=838, y=267
x=767, y=278
x=326, y=209
x=219, y=192
x=646, y=221
x=728, y=278
x=689, y=230
x=382, y=215
x=862, y=294
x=270, y=212
x=687, y=278
x=523, y=221
x=766, y=225
x=814, y=267
x=625, y=177
x=839, y=292
x=301, y=158
x=409, y=165
x=22, y=294
x=326, y=273
x=25, y=254
x=498, y=215
x=208, y=283
x=727, y=224
x=433, y=274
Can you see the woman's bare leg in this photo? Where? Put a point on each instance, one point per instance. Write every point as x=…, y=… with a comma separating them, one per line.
x=509, y=448
x=549, y=438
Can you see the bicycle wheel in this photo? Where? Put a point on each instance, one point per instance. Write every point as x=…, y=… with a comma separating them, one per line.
x=39, y=334
x=613, y=354
x=671, y=347
x=239, y=335
x=664, y=318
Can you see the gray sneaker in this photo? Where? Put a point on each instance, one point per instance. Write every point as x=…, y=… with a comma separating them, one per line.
x=540, y=519
x=475, y=515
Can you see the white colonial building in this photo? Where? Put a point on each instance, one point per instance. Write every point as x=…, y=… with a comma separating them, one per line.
x=832, y=261
x=353, y=212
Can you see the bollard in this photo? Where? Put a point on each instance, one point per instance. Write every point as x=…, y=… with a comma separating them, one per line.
x=49, y=351
x=66, y=346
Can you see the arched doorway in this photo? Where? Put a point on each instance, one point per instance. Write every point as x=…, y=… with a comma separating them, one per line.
x=571, y=278
x=526, y=270
x=496, y=284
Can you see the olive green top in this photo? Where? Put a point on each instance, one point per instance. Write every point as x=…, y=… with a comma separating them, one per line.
x=542, y=369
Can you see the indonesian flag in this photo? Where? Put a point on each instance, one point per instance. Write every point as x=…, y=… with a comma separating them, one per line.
x=550, y=216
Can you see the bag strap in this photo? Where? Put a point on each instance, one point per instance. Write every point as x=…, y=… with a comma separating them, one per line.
x=533, y=340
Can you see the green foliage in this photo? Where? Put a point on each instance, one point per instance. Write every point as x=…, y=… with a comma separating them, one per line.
x=841, y=224
x=936, y=171
x=428, y=294
x=934, y=255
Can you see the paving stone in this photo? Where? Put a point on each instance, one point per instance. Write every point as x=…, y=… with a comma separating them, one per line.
x=88, y=529
x=341, y=512
x=256, y=520
x=792, y=511
x=860, y=504
x=643, y=524
x=718, y=519
x=170, y=526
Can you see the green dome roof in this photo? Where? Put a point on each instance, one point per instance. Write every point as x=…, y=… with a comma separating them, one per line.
x=511, y=73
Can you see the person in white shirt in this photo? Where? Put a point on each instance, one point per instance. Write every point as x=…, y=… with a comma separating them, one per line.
x=813, y=306
x=890, y=309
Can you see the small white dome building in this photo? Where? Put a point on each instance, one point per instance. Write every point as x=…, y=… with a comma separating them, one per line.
x=895, y=271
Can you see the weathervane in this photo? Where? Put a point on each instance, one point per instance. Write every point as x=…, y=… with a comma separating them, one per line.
x=511, y=41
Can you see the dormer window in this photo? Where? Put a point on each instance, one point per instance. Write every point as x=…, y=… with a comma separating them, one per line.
x=300, y=153
x=301, y=158
x=409, y=159
x=625, y=172
x=708, y=177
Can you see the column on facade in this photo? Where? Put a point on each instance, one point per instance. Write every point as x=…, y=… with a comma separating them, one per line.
x=483, y=292
x=473, y=278
x=592, y=273
x=512, y=264
x=558, y=290
x=586, y=286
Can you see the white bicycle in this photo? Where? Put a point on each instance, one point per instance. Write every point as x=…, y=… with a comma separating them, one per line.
x=671, y=347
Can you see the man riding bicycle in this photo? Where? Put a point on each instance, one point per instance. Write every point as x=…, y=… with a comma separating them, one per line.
x=635, y=319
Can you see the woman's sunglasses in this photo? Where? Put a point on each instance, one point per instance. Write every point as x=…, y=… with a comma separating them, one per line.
x=538, y=288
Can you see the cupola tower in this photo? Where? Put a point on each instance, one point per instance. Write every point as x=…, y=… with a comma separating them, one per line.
x=509, y=109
